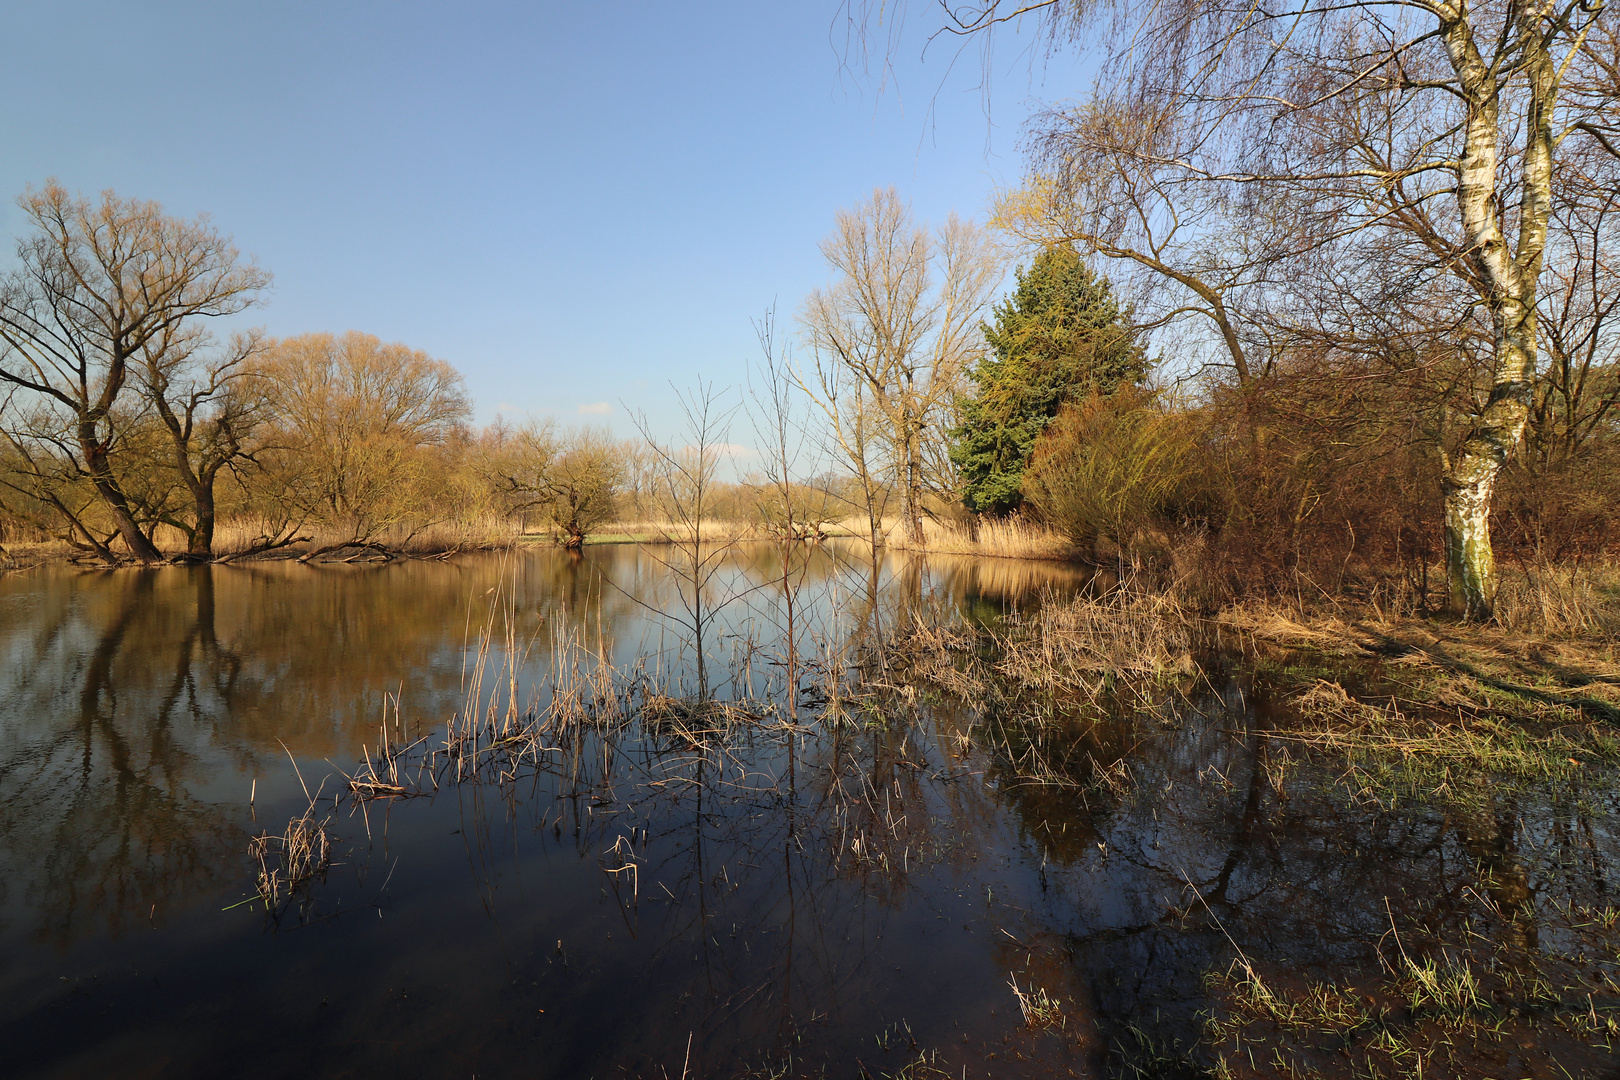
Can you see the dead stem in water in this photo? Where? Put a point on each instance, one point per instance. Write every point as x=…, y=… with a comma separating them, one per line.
x=288, y=860
x=387, y=774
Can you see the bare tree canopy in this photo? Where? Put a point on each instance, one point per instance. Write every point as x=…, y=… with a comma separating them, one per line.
x=352, y=414
x=891, y=336
x=1224, y=143
x=105, y=288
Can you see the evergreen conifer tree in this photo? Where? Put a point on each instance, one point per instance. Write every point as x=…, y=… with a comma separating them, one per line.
x=1061, y=336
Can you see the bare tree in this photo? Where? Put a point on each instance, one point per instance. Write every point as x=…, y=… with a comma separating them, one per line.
x=687, y=478
x=209, y=402
x=1435, y=118
x=104, y=287
x=352, y=419
x=779, y=429
x=892, y=335
x=1109, y=176
x=42, y=483
x=852, y=427
x=573, y=477
x=1580, y=301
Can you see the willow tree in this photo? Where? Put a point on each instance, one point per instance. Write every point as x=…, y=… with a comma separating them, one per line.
x=573, y=477
x=352, y=421
x=1442, y=120
x=105, y=293
x=893, y=333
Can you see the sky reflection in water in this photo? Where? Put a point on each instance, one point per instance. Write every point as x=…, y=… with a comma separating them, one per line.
x=852, y=899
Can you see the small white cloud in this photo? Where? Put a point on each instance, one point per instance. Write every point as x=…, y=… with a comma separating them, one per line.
x=598, y=408
x=504, y=407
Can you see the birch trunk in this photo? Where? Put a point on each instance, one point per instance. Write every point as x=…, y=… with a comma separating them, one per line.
x=1507, y=281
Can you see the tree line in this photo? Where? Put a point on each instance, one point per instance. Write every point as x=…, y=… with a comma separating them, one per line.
x=1384, y=228
x=1321, y=442
x=124, y=418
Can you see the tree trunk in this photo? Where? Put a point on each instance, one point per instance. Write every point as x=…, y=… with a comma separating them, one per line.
x=1470, y=563
x=202, y=536
x=95, y=459
x=911, y=441
x=1507, y=282
x=1470, y=476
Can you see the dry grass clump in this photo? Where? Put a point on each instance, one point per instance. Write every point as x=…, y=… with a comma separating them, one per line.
x=1092, y=642
x=1560, y=601
x=288, y=860
x=1040, y=1009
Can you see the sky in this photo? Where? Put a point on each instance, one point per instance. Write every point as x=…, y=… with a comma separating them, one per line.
x=576, y=205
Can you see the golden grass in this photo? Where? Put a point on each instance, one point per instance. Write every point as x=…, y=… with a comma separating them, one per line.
x=24, y=555
x=290, y=859
x=1086, y=649
x=1431, y=706
x=1012, y=538
x=712, y=531
x=236, y=535
x=1559, y=600
x=1090, y=643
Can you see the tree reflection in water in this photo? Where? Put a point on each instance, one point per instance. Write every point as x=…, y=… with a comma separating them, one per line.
x=834, y=897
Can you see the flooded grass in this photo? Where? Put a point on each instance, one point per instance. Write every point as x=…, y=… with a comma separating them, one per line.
x=1086, y=836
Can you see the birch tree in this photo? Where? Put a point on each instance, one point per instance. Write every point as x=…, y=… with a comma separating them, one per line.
x=1444, y=120
x=896, y=328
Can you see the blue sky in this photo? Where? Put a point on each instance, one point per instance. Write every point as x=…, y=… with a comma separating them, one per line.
x=574, y=204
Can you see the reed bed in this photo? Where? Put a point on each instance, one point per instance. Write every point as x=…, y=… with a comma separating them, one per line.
x=655, y=531
x=1009, y=538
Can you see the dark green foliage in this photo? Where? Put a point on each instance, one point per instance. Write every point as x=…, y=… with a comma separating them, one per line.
x=1060, y=337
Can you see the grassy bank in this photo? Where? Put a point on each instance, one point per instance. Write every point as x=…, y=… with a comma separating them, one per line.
x=237, y=538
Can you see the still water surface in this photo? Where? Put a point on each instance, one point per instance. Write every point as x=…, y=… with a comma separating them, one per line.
x=849, y=899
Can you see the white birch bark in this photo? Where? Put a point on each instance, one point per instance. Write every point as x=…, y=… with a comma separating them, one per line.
x=1509, y=279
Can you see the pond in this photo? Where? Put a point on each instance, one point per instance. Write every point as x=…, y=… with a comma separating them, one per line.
x=878, y=888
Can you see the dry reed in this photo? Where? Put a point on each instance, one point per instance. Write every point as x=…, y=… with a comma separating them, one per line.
x=1128, y=634
x=1009, y=538
x=292, y=858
